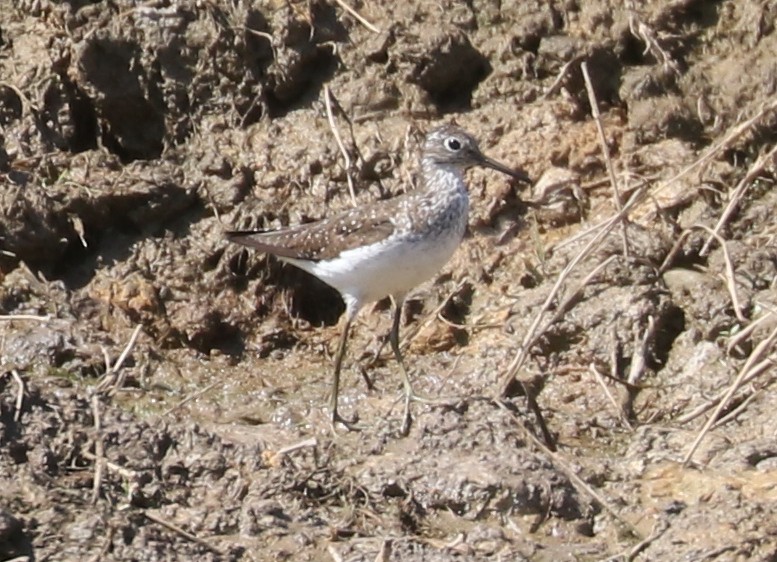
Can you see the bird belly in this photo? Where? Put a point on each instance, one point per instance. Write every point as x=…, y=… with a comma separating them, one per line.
x=385, y=268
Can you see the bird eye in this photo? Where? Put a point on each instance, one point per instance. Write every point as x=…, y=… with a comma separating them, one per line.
x=453, y=144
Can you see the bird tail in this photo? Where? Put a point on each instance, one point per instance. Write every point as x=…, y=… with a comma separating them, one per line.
x=250, y=238
x=272, y=242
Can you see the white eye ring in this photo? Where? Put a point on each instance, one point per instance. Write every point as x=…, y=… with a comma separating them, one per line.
x=453, y=144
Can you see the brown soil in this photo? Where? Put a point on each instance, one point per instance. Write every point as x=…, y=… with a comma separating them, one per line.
x=134, y=134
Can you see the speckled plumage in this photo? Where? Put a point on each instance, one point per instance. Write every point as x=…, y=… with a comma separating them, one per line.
x=387, y=247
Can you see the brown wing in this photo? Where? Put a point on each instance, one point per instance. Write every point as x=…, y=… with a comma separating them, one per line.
x=327, y=238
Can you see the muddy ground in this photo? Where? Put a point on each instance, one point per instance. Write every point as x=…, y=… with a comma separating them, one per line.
x=163, y=392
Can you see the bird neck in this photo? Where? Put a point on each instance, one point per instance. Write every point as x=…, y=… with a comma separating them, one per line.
x=436, y=176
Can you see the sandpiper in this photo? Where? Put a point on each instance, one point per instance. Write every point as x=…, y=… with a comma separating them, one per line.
x=388, y=247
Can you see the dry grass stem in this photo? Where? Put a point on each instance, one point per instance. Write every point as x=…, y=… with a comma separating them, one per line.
x=601, y=229
x=312, y=442
x=659, y=529
x=185, y=534
x=736, y=196
x=757, y=370
x=26, y=103
x=760, y=351
x=614, y=354
x=99, y=450
x=17, y=414
x=737, y=339
x=678, y=245
x=113, y=380
x=736, y=411
x=556, y=86
x=532, y=335
x=637, y=197
x=384, y=554
x=334, y=554
x=125, y=473
x=593, y=102
x=730, y=280
x=566, y=304
x=346, y=157
x=263, y=35
x=431, y=317
x=30, y=317
x=560, y=463
x=728, y=139
x=610, y=398
x=640, y=30
x=191, y=397
x=357, y=16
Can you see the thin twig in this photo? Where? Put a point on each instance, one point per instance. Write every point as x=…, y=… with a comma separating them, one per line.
x=736, y=196
x=312, y=442
x=570, y=473
x=32, y=317
x=600, y=379
x=535, y=335
x=358, y=16
x=274, y=458
x=757, y=370
x=758, y=353
x=669, y=259
x=730, y=281
x=732, y=135
x=22, y=98
x=433, y=315
x=333, y=126
x=745, y=332
x=17, y=415
x=566, y=304
x=473, y=327
x=554, y=87
x=128, y=348
x=185, y=534
x=532, y=335
x=191, y=397
x=658, y=530
x=99, y=450
x=606, y=153
x=107, y=544
x=614, y=354
x=641, y=31
x=263, y=35
x=110, y=379
x=736, y=411
x=126, y=473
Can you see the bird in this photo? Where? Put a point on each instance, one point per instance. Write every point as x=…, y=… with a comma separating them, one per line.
x=388, y=247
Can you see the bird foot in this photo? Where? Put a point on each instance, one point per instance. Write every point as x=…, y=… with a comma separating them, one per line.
x=411, y=396
x=350, y=425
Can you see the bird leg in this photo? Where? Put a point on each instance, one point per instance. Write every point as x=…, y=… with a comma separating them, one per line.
x=410, y=394
x=336, y=417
